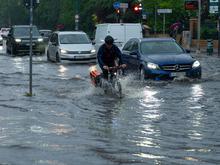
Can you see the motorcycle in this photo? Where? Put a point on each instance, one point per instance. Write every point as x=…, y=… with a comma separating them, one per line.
x=111, y=84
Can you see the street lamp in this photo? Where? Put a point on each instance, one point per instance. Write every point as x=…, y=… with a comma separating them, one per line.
x=199, y=24
x=77, y=15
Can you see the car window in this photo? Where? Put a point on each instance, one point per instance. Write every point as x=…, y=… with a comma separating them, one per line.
x=52, y=38
x=127, y=46
x=56, y=38
x=25, y=31
x=74, y=39
x=160, y=47
x=134, y=46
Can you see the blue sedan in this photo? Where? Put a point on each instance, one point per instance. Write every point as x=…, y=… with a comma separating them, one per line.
x=160, y=59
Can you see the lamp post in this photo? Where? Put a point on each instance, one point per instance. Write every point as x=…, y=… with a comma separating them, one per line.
x=199, y=24
x=77, y=15
x=219, y=28
x=155, y=17
x=30, y=50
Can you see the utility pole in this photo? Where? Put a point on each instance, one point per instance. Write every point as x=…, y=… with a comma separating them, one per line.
x=198, y=27
x=77, y=15
x=155, y=18
x=219, y=28
x=31, y=36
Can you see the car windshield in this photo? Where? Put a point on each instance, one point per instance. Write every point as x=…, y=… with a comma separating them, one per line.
x=74, y=39
x=160, y=47
x=25, y=31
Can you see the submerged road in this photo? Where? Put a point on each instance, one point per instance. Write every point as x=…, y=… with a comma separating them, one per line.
x=69, y=122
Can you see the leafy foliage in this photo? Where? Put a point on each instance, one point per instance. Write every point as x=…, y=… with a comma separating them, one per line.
x=52, y=12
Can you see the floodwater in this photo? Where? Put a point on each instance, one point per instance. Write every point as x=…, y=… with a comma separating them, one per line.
x=69, y=122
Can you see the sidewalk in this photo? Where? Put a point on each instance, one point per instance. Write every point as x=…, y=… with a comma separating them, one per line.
x=203, y=50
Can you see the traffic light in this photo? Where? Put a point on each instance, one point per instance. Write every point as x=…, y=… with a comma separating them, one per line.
x=137, y=8
x=117, y=11
x=27, y=3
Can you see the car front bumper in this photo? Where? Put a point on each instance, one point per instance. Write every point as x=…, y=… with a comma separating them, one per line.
x=164, y=75
x=25, y=47
x=80, y=58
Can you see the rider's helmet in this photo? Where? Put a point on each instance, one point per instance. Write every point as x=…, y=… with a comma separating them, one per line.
x=109, y=40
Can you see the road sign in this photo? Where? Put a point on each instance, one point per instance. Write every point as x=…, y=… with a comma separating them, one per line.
x=213, y=9
x=116, y=5
x=124, y=5
x=164, y=10
x=213, y=6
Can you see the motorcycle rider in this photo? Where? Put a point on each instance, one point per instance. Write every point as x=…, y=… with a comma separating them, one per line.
x=107, y=55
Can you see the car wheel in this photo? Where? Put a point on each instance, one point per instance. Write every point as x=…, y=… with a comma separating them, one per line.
x=57, y=58
x=13, y=51
x=7, y=50
x=48, y=56
x=142, y=74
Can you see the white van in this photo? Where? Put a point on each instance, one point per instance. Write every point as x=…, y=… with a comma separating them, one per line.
x=121, y=32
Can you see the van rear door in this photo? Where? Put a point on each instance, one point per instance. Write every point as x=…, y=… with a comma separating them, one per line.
x=118, y=33
x=133, y=31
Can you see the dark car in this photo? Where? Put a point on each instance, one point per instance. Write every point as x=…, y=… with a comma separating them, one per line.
x=18, y=40
x=160, y=59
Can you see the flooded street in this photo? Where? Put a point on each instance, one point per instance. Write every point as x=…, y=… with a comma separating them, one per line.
x=69, y=122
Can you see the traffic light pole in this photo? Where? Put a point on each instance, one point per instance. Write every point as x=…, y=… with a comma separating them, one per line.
x=219, y=28
x=30, y=64
x=198, y=27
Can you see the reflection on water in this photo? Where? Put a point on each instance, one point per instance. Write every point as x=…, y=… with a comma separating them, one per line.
x=19, y=64
x=197, y=114
x=71, y=122
x=62, y=71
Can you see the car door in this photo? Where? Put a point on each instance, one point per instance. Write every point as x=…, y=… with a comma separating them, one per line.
x=133, y=56
x=9, y=39
x=130, y=54
x=125, y=53
x=52, y=46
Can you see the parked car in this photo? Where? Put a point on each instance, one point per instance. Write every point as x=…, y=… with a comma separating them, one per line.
x=45, y=33
x=160, y=59
x=3, y=34
x=18, y=40
x=70, y=45
x=121, y=32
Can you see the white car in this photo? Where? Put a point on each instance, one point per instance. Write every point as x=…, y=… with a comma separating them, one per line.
x=70, y=45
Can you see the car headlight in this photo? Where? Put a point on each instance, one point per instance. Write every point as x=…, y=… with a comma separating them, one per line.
x=93, y=51
x=40, y=39
x=196, y=64
x=63, y=51
x=17, y=40
x=152, y=65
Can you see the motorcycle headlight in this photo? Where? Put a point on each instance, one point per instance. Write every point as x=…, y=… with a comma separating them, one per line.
x=152, y=65
x=196, y=64
x=40, y=39
x=17, y=40
x=93, y=51
x=63, y=51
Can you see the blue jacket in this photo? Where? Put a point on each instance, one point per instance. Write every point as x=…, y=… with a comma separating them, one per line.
x=108, y=56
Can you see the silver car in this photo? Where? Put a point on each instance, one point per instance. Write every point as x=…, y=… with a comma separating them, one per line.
x=70, y=45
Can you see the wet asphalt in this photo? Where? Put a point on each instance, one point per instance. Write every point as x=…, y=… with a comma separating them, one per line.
x=69, y=122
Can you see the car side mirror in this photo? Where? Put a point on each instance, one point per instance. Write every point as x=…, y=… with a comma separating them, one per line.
x=187, y=50
x=4, y=36
x=54, y=43
x=9, y=34
x=133, y=53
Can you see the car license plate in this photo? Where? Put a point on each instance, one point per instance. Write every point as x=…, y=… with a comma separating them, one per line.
x=178, y=74
x=28, y=44
x=80, y=57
